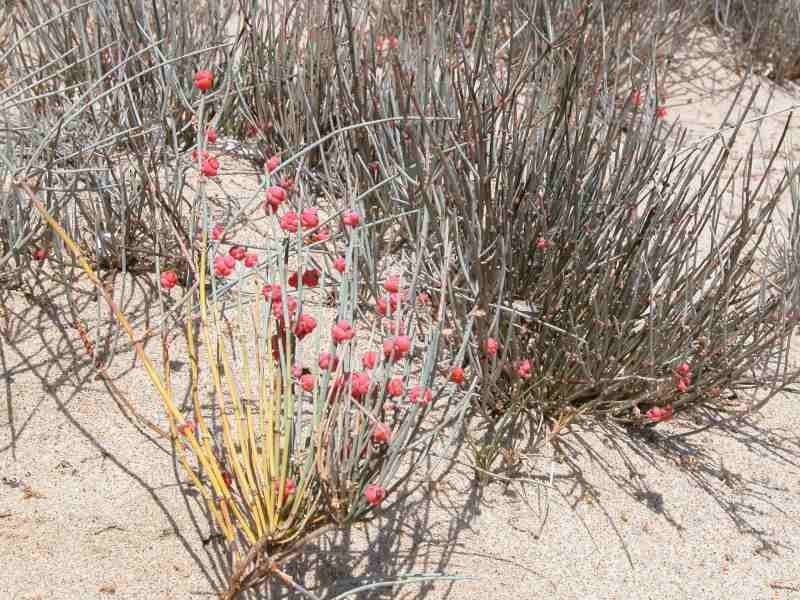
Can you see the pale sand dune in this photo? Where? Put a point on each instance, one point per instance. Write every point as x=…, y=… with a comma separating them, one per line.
x=716, y=515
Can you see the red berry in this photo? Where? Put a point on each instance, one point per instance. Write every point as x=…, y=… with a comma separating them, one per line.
x=351, y=218
x=309, y=218
x=305, y=325
x=272, y=292
x=395, y=387
x=322, y=234
x=307, y=381
x=457, y=375
x=169, y=280
x=359, y=385
x=272, y=164
x=204, y=80
x=658, y=414
x=382, y=433
x=369, y=359
x=392, y=284
x=311, y=278
x=289, y=222
x=210, y=167
x=418, y=391
x=524, y=369
x=289, y=488
x=342, y=332
x=276, y=196
x=327, y=361
x=375, y=494
x=238, y=252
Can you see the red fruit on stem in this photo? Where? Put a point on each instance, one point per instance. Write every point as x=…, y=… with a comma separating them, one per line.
x=658, y=414
x=250, y=260
x=369, y=360
x=276, y=196
x=309, y=218
x=238, y=252
x=289, y=488
x=395, y=387
x=359, y=385
x=343, y=332
x=289, y=222
x=392, y=284
x=402, y=344
x=524, y=369
x=322, y=234
x=328, y=361
x=382, y=433
x=272, y=164
x=311, y=278
x=457, y=375
x=374, y=494
x=351, y=218
x=204, y=80
x=421, y=395
x=305, y=325
x=272, y=292
x=169, y=280
x=210, y=167
x=307, y=381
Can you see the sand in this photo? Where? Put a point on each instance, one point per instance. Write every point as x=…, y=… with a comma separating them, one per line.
x=93, y=505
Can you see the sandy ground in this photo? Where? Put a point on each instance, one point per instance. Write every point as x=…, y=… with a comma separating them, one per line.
x=91, y=505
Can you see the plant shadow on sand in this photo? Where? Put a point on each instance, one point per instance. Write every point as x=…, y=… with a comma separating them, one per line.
x=710, y=462
x=436, y=530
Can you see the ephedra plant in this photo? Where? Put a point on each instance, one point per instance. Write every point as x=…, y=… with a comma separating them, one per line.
x=593, y=261
x=309, y=430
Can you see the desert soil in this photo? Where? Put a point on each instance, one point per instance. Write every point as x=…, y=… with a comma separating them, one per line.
x=93, y=505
